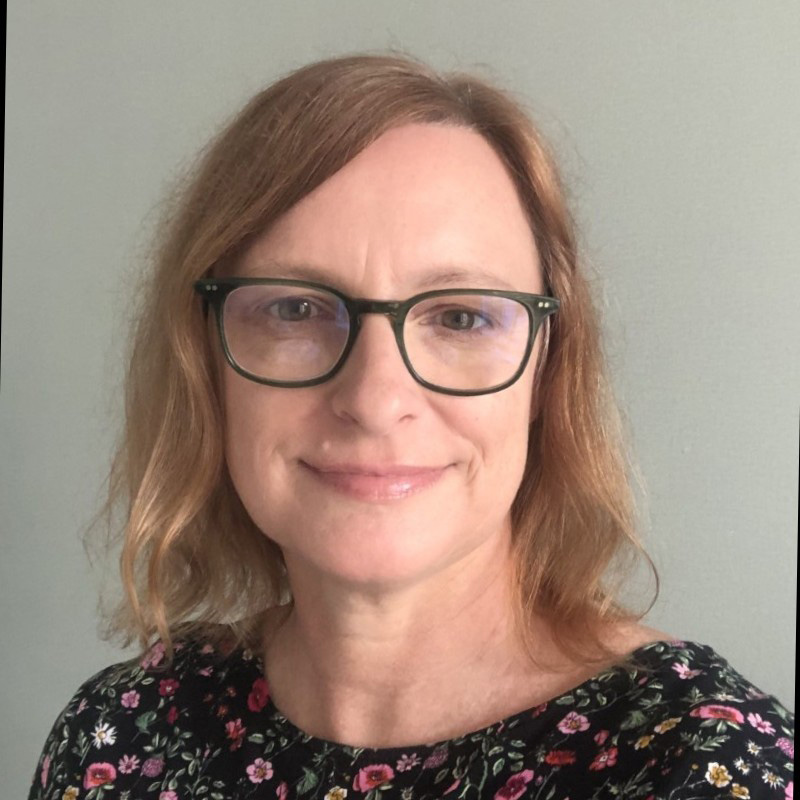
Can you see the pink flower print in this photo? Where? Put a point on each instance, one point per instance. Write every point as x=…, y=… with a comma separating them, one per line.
x=153, y=767
x=99, y=774
x=235, y=731
x=605, y=758
x=760, y=724
x=436, y=758
x=153, y=657
x=258, y=696
x=789, y=791
x=207, y=649
x=539, y=710
x=684, y=672
x=601, y=736
x=206, y=672
x=172, y=715
x=373, y=776
x=786, y=746
x=168, y=796
x=573, y=723
x=168, y=686
x=282, y=791
x=453, y=786
x=82, y=706
x=45, y=771
x=718, y=712
x=259, y=771
x=130, y=699
x=515, y=786
x=406, y=762
x=128, y=764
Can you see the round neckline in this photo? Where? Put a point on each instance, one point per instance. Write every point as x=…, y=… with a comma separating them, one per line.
x=528, y=716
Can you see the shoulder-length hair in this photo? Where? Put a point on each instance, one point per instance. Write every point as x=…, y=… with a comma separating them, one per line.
x=191, y=556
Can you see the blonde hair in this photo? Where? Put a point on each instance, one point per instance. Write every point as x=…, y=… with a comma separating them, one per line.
x=191, y=556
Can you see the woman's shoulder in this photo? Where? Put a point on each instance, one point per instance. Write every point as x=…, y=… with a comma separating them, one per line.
x=668, y=718
x=686, y=678
x=684, y=670
x=689, y=715
x=688, y=672
x=154, y=697
x=157, y=673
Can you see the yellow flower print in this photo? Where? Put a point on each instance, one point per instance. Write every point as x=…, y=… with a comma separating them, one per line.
x=740, y=791
x=642, y=741
x=667, y=725
x=337, y=793
x=70, y=793
x=718, y=774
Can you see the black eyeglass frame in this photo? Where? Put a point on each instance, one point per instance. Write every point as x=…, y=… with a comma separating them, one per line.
x=215, y=291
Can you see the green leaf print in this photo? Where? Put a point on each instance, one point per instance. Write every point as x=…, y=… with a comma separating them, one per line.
x=307, y=782
x=635, y=719
x=566, y=700
x=144, y=721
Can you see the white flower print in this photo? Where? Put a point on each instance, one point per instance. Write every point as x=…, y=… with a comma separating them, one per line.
x=742, y=766
x=104, y=734
x=771, y=778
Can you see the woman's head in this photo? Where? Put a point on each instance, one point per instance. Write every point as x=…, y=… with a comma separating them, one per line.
x=378, y=172
x=421, y=205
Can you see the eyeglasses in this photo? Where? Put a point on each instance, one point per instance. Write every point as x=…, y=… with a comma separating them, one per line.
x=291, y=333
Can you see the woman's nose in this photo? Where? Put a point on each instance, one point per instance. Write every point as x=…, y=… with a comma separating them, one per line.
x=374, y=387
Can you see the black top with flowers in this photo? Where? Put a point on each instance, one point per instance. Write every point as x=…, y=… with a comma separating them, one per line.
x=681, y=724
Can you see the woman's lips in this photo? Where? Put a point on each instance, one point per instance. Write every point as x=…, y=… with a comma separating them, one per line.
x=377, y=484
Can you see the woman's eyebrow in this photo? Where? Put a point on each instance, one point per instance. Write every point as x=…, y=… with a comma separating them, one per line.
x=465, y=277
x=449, y=275
x=287, y=269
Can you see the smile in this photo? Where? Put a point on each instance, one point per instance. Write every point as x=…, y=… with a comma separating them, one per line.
x=376, y=484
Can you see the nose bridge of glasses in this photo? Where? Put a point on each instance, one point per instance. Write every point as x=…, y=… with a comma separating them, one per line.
x=387, y=308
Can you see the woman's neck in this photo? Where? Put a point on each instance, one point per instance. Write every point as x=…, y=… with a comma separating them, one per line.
x=407, y=666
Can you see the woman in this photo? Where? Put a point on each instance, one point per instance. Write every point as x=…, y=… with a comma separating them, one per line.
x=375, y=482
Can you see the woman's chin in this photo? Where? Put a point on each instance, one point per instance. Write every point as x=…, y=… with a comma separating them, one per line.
x=379, y=565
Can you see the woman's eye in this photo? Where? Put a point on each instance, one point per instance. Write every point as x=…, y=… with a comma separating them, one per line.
x=292, y=309
x=461, y=319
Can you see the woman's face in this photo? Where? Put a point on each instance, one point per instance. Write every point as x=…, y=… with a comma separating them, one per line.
x=422, y=202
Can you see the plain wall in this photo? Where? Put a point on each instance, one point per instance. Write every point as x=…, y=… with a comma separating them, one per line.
x=677, y=128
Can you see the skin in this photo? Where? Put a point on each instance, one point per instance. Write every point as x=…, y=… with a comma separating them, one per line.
x=396, y=597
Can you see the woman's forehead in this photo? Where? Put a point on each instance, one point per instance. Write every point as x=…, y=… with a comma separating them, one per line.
x=433, y=203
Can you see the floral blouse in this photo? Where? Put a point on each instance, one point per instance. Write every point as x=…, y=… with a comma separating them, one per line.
x=679, y=724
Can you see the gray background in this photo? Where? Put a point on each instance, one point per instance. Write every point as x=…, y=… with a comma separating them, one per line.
x=677, y=128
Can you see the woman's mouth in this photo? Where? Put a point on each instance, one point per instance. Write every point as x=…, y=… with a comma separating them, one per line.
x=376, y=483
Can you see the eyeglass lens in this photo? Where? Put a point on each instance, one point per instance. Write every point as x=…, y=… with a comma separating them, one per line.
x=455, y=341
